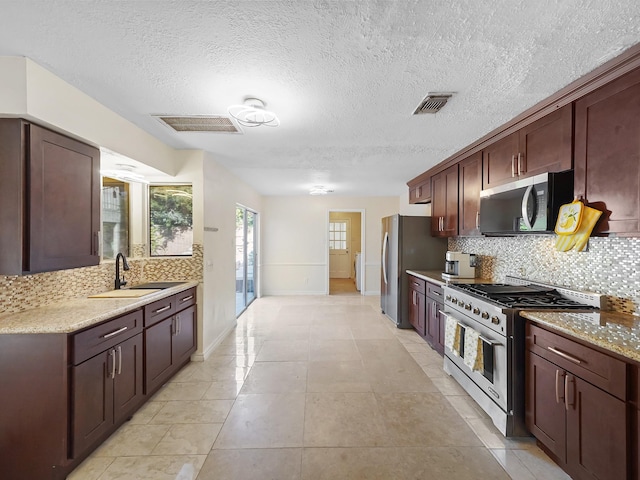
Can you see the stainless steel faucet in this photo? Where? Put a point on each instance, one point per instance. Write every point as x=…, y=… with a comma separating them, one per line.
x=120, y=282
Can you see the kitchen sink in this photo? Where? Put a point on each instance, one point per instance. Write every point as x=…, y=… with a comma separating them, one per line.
x=155, y=285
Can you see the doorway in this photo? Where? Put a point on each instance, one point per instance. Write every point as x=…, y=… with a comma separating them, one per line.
x=345, y=241
x=246, y=234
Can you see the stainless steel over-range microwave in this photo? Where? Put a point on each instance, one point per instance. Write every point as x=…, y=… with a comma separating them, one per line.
x=529, y=205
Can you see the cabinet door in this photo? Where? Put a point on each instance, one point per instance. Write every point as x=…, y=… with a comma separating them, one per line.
x=544, y=404
x=607, y=153
x=546, y=144
x=420, y=193
x=433, y=326
x=184, y=339
x=417, y=311
x=64, y=202
x=499, y=163
x=92, y=407
x=596, y=431
x=127, y=389
x=470, y=184
x=444, y=203
x=158, y=361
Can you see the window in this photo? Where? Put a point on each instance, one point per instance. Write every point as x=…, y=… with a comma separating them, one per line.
x=170, y=220
x=246, y=231
x=115, y=217
x=338, y=235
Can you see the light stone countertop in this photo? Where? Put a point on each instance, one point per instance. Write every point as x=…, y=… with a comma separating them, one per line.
x=78, y=313
x=617, y=332
x=435, y=276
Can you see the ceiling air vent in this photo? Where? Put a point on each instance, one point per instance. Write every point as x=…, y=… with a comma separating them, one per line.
x=199, y=123
x=432, y=103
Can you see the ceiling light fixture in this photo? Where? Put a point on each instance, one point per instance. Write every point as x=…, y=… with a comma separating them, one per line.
x=319, y=190
x=253, y=114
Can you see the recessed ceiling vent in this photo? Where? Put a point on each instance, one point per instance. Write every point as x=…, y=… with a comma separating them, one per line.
x=199, y=123
x=432, y=103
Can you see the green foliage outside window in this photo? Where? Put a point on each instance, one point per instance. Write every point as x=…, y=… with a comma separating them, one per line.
x=171, y=220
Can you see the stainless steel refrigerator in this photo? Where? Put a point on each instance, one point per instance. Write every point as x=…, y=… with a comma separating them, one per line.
x=407, y=244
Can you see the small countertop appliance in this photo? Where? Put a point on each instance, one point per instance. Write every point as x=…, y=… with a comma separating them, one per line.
x=459, y=265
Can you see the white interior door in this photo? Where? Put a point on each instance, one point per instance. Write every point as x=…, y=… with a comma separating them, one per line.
x=339, y=242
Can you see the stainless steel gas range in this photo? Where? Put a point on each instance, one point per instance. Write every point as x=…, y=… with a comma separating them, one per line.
x=491, y=369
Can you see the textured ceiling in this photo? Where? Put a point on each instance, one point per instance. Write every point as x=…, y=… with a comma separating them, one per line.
x=343, y=76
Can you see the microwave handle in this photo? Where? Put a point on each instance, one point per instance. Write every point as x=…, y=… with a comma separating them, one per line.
x=526, y=198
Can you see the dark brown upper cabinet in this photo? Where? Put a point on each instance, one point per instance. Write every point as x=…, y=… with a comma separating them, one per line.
x=470, y=184
x=444, y=203
x=542, y=146
x=607, y=153
x=420, y=193
x=50, y=197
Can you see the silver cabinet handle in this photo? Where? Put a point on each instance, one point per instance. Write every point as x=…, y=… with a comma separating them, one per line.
x=513, y=166
x=413, y=297
x=115, y=332
x=162, y=309
x=178, y=324
x=557, y=386
x=566, y=392
x=436, y=293
x=520, y=169
x=478, y=219
x=119, y=359
x=564, y=355
x=112, y=355
x=186, y=298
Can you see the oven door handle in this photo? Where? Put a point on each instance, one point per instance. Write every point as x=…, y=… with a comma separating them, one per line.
x=494, y=343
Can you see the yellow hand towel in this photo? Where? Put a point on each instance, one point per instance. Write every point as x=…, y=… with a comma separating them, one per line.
x=579, y=239
x=452, y=334
x=473, y=353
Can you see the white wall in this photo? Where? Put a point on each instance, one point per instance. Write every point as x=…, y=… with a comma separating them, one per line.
x=294, y=241
x=222, y=191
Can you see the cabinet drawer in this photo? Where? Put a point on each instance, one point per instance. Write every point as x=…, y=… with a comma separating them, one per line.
x=185, y=299
x=100, y=338
x=597, y=368
x=435, y=292
x=417, y=284
x=159, y=310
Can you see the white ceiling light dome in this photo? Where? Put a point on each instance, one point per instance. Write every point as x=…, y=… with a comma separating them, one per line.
x=252, y=113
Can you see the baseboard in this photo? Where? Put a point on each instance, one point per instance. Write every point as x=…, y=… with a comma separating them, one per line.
x=284, y=293
x=201, y=357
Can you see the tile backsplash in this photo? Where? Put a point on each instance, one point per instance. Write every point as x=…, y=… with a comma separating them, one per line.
x=18, y=293
x=611, y=266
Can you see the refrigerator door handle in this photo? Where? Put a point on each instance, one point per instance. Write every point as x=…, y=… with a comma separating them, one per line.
x=385, y=244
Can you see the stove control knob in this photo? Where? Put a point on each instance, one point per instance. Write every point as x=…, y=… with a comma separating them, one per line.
x=495, y=320
x=454, y=300
x=485, y=315
x=448, y=298
x=476, y=311
x=467, y=306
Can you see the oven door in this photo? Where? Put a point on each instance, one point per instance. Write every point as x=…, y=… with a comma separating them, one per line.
x=491, y=375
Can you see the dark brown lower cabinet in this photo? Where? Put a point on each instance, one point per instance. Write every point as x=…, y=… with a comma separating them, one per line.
x=417, y=315
x=106, y=389
x=581, y=426
x=67, y=392
x=435, y=320
x=169, y=344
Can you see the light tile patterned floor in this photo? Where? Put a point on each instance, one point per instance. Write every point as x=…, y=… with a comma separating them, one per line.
x=321, y=387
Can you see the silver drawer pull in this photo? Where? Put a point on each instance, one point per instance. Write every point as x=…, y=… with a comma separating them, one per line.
x=160, y=310
x=186, y=298
x=116, y=332
x=436, y=293
x=564, y=355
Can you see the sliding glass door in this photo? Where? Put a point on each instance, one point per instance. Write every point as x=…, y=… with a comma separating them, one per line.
x=246, y=222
